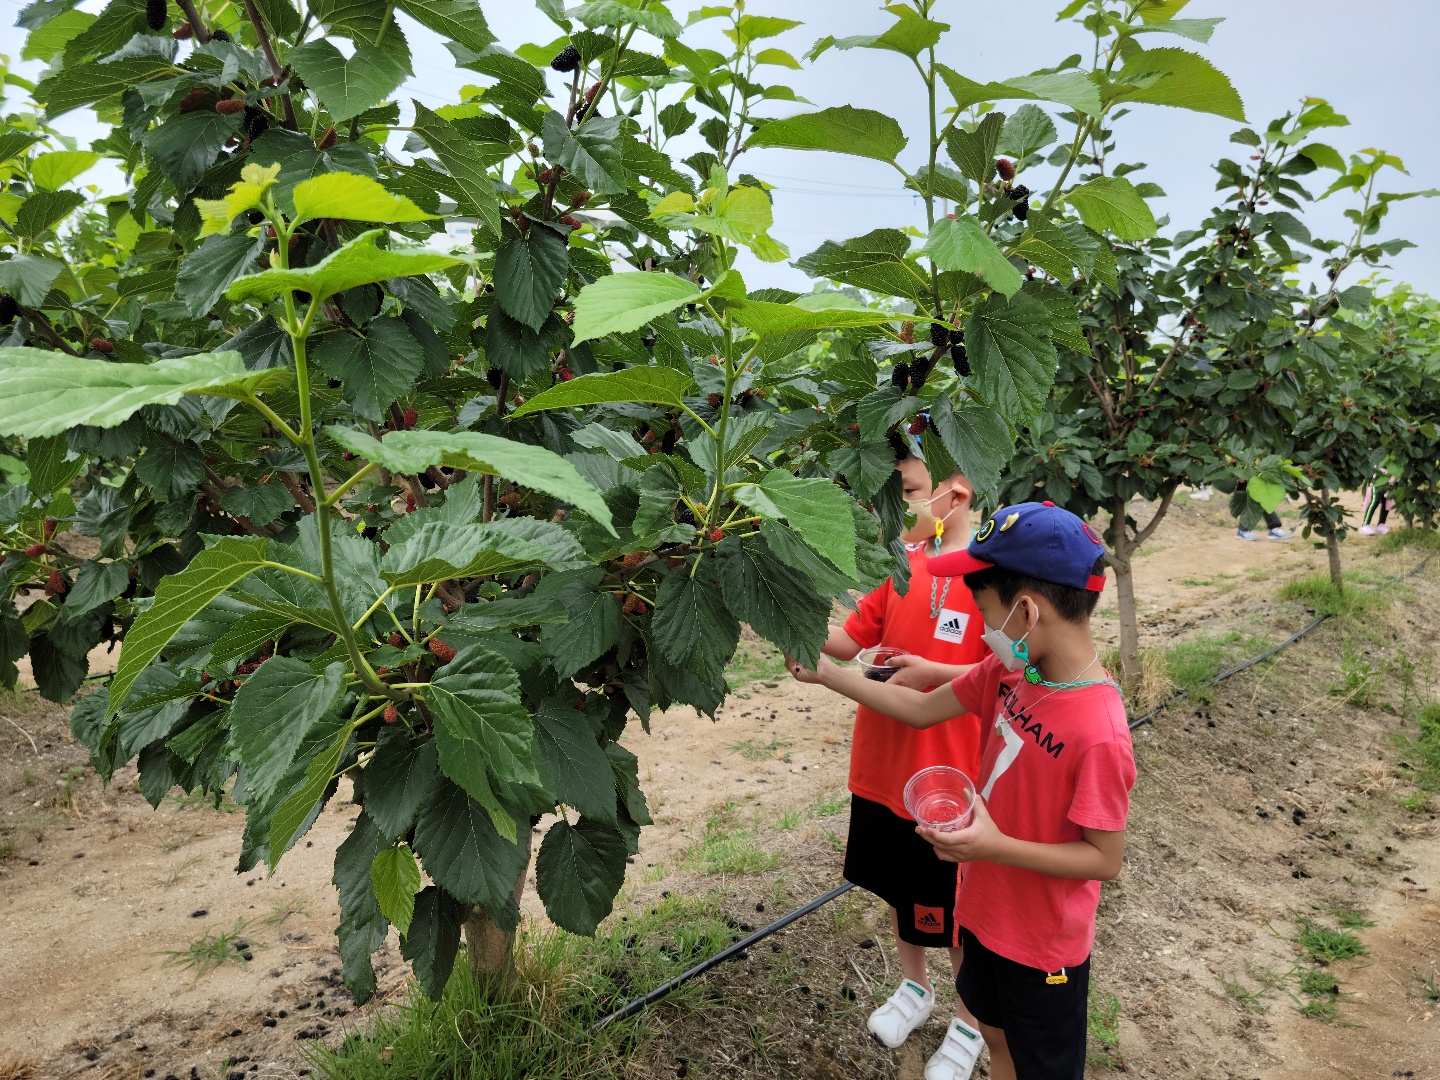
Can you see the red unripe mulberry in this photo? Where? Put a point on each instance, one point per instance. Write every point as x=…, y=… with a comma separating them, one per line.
x=183, y=32
x=442, y=652
x=55, y=584
x=1006, y=169
x=327, y=140
x=229, y=106
x=392, y=714
x=579, y=199
x=34, y=551
x=99, y=344
x=590, y=94
x=410, y=417
x=397, y=639
x=716, y=535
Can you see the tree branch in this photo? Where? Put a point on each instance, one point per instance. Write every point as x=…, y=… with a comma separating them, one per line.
x=275, y=69
x=1160, y=511
x=306, y=503
x=51, y=335
x=192, y=16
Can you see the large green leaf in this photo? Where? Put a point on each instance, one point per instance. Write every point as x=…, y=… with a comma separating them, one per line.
x=1110, y=203
x=43, y=209
x=819, y=511
x=274, y=709
x=434, y=939
x=777, y=602
x=349, y=86
x=657, y=385
x=766, y=319
x=974, y=151
x=465, y=856
x=623, y=302
x=572, y=766
x=692, y=626
x=1073, y=88
x=876, y=261
x=28, y=278
x=395, y=876
x=465, y=163
x=352, y=197
x=362, y=928
x=304, y=801
x=961, y=243
x=656, y=21
x=595, y=619
x=358, y=262
x=579, y=870
x=456, y=20
x=209, y=269
x=592, y=153
x=399, y=779
x=84, y=84
x=1012, y=355
x=909, y=36
x=443, y=552
x=1027, y=130
x=529, y=271
x=529, y=466
x=843, y=130
x=178, y=599
x=186, y=146
x=976, y=438
x=46, y=393
x=1178, y=78
x=375, y=369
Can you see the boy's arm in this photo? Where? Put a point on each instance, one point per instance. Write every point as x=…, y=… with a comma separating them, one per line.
x=918, y=673
x=912, y=707
x=1097, y=857
x=840, y=645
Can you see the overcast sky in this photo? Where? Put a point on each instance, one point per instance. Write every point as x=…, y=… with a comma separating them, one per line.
x=1373, y=62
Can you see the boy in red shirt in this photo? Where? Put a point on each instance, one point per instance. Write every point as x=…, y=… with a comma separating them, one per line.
x=939, y=628
x=1056, y=771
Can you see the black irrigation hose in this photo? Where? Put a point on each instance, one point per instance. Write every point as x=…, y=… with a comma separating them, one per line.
x=1311, y=625
x=740, y=946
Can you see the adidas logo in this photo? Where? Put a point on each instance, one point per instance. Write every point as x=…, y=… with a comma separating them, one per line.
x=954, y=626
x=928, y=922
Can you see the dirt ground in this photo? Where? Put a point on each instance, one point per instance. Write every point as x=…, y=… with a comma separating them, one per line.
x=1278, y=798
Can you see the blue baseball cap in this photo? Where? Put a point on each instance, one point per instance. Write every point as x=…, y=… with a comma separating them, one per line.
x=1037, y=539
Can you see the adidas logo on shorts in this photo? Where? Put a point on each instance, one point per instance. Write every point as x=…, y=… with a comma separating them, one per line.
x=929, y=919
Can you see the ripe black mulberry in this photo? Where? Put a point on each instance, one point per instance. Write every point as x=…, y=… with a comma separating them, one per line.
x=220, y=35
x=9, y=308
x=567, y=59
x=900, y=377
x=962, y=361
x=939, y=335
x=155, y=14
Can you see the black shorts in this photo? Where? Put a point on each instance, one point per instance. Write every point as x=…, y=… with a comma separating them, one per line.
x=1043, y=1018
x=885, y=856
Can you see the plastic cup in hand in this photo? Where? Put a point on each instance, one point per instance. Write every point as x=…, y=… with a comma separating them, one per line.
x=940, y=798
x=875, y=662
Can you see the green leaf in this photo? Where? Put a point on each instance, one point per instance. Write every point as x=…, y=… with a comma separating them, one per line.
x=817, y=510
x=395, y=876
x=50, y=171
x=571, y=763
x=1195, y=29
x=1072, y=88
x=978, y=440
x=1027, y=130
x=529, y=466
x=301, y=806
x=274, y=709
x=95, y=584
x=261, y=503
x=657, y=385
x=595, y=619
x=579, y=870
x=974, y=151
x=51, y=464
x=347, y=87
x=247, y=635
x=434, y=939
x=85, y=84
x=48, y=39
x=1325, y=157
x=865, y=467
x=463, y=853
x=399, y=779
x=208, y=271
x=375, y=369
x=529, y=272
x=1266, y=493
x=28, y=278
x=362, y=927
x=43, y=209
x=1012, y=355
x=186, y=146
x=1112, y=203
x=456, y=20
x=876, y=261
x=46, y=393
x=909, y=36
x=778, y=603
x=623, y=302
x=1177, y=78
x=464, y=161
x=358, y=262
x=765, y=319
x=592, y=153
x=692, y=626
x=843, y=130
x=351, y=197
x=443, y=552
x=178, y=599
x=961, y=243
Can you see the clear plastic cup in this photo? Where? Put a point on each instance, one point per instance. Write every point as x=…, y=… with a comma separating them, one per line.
x=874, y=662
x=940, y=798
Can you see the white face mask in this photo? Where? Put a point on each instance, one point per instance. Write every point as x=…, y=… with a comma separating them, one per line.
x=1003, y=645
x=921, y=507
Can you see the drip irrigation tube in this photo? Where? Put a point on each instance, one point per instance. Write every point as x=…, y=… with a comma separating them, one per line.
x=631, y=1008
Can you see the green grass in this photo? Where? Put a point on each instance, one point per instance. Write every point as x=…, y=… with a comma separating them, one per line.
x=1417, y=802
x=1319, y=592
x=765, y=751
x=1324, y=945
x=1398, y=539
x=1192, y=664
x=754, y=661
x=1102, y=1022
x=216, y=948
x=1253, y=1000
x=7, y=850
x=1349, y=918
x=538, y=1030
x=729, y=846
x=1430, y=988
x=829, y=805
x=1359, y=677
x=1422, y=753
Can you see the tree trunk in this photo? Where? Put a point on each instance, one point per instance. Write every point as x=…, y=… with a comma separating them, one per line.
x=1125, y=599
x=492, y=957
x=1332, y=548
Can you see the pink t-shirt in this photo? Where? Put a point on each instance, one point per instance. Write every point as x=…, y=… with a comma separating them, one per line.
x=1051, y=763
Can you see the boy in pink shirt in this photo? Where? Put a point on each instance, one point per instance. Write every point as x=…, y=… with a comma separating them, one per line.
x=1056, y=769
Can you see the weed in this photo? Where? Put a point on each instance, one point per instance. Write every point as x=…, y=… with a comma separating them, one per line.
x=1254, y=1000
x=829, y=805
x=1102, y=1021
x=1324, y=945
x=1350, y=918
x=1192, y=665
x=1323, y=1009
x=728, y=847
x=173, y=878
x=1422, y=753
x=759, y=751
x=1398, y=539
x=788, y=820
x=207, y=953
x=28, y=777
x=1358, y=676
x=280, y=912
x=1319, y=592
x=1431, y=989
x=754, y=660
x=7, y=850
x=1417, y=802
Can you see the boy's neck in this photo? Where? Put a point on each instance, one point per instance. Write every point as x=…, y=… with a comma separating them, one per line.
x=1069, y=654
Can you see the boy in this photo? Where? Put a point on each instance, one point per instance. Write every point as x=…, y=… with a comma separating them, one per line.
x=939, y=627
x=1057, y=769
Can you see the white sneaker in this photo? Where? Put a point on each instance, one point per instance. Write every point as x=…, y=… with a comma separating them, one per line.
x=1367, y=530
x=1382, y=529
x=907, y=1008
x=1245, y=534
x=957, y=1054
x=1281, y=534
x=1202, y=493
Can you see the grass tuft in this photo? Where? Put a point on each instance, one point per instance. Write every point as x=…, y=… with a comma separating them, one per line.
x=1324, y=945
x=729, y=846
x=1102, y=1022
x=207, y=953
x=1422, y=755
x=1399, y=539
x=1318, y=592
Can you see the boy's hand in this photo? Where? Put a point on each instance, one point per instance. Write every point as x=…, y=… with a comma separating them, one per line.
x=980, y=841
x=916, y=672
x=802, y=673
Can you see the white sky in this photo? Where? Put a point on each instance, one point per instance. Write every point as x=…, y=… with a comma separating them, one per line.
x=1374, y=62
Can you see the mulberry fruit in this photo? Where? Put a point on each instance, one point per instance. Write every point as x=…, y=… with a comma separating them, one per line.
x=55, y=584
x=919, y=424
x=442, y=652
x=919, y=372
x=50, y=526
x=572, y=221
x=1021, y=210
x=1019, y=193
x=900, y=377
x=897, y=443
x=1006, y=168
x=220, y=35
x=155, y=14
x=716, y=535
x=346, y=455
x=410, y=417
x=634, y=559
x=183, y=32
x=397, y=639
x=9, y=308
x=229, y=106
x=667, y=443
x=327, y=140
x=34, y=551
x=546, y=176
x=907, y=332
x=633, y=605
x=590, y=94
x=493, y=376
x=567, y=59
x=962, y=362
x=579, y=199
x=511, y=500
x=939, y=335
x=565, y=374
x=713, y=400
x=196, y=97
x=392, y=714
x=99, y=344
x=257, y=122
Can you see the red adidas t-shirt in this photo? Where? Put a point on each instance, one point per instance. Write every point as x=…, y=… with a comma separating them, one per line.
x=885, y=753
x=1062, y=762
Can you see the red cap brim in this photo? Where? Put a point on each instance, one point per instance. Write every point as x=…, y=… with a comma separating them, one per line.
x=955, y=564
